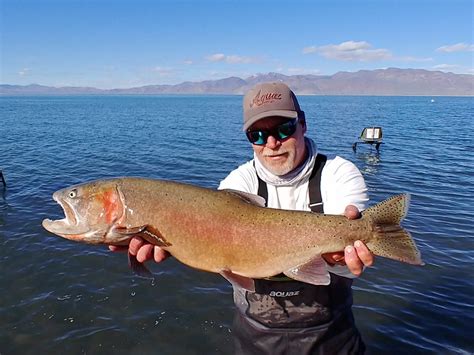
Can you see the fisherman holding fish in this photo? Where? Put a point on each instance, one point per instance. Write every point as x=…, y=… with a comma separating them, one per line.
x=285, y=316
x=291, y=269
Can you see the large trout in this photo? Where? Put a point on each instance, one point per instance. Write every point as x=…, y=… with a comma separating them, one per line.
x=226, y=232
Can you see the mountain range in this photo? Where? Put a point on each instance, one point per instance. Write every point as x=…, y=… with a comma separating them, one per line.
x=383, y=82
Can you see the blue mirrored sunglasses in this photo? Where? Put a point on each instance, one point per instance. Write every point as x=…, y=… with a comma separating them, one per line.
x=282, y=131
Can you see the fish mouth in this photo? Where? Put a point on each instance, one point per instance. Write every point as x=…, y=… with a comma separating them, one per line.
x=69, y=225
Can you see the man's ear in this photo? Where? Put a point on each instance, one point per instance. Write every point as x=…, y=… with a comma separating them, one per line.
x=303, y=123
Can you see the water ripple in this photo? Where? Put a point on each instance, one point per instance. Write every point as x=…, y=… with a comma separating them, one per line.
x=64, y=297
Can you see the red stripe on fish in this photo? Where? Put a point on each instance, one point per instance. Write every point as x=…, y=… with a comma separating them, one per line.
x=112, y=205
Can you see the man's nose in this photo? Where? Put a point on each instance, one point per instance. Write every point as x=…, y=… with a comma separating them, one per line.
x=272, y=142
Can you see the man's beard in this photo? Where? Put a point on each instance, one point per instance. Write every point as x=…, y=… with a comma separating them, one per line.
x=279, y=168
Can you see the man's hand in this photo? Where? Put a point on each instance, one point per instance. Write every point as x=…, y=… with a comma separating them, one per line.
x=143, y=250
x=356, y=256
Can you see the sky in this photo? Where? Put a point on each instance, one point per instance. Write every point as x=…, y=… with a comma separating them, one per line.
x=121, y=44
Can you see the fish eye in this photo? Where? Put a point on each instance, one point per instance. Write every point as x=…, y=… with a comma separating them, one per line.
x=73, y=193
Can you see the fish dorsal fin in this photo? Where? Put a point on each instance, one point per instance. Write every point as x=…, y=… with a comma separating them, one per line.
x=313, y=272
x=248, y=197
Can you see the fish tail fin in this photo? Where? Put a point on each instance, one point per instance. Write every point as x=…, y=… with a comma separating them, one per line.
x=390, y=240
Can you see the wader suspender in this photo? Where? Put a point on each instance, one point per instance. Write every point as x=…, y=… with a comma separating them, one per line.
x=315, y=199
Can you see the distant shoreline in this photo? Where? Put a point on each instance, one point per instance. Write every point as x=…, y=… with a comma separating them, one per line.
x=380, y=82
x=215, y=94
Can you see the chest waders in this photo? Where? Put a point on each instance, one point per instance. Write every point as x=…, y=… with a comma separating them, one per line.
x=285, y=316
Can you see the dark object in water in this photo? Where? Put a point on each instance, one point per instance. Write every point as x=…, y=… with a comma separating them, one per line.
x=3, y=179
x=370, y=135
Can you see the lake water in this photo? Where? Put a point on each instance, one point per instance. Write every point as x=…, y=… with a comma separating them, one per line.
x=63, y=297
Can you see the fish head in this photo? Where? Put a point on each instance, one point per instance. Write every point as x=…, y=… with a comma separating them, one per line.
x=90, y=209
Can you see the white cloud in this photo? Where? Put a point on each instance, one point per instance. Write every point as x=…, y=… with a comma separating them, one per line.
x=24, y=72
x=454, y=68
x=230, y=59
x=445, y=67
x=310, y=49
x=162, y=71
x=458, y=47
x=234, y=59
x=352, y=46
x=188, y=62
x=218, y=57
x=350, y=51
x=302, y=71
x=414, y=59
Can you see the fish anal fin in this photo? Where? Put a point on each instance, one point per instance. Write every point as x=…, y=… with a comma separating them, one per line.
x=313, y=272
x=239, y=280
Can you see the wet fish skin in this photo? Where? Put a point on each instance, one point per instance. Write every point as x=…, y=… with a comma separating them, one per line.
x=226, y=232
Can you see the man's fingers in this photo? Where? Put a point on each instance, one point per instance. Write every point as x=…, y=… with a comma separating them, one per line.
x=135, y=245
x=150, y=251
x=352, y=212
x=364, y=254
x=334, y=258
x=357, y=257
x=160, y=254
x=354, y=264
x=145, y=253
x=142, y=250
x=118, y=248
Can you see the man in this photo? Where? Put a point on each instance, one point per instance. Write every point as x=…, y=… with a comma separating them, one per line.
x=285, y=316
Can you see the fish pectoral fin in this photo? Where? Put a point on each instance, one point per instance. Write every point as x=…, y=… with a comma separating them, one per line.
x=129, y=231
x=239, y=280
x=149, y=233
x=313, y=272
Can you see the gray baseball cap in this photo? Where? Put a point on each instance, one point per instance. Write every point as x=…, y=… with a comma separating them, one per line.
x=269, y=99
